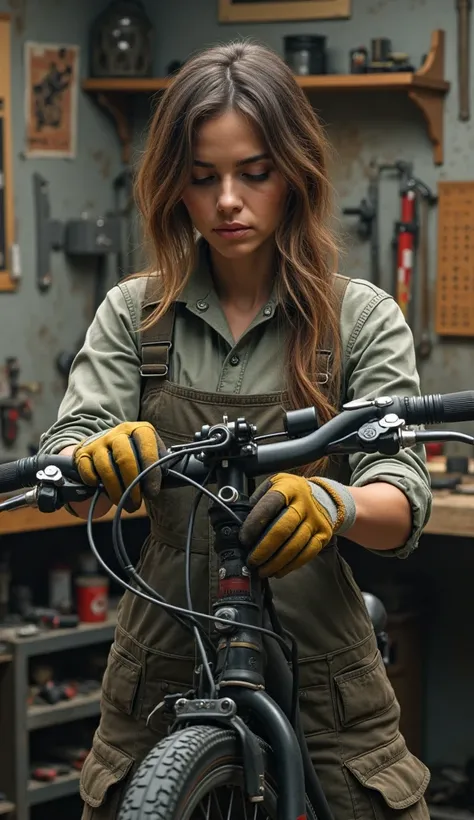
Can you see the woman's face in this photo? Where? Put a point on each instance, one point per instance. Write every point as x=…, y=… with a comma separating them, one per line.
x=235, y=196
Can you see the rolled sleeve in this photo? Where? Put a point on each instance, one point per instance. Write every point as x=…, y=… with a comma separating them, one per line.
x=104, y=382
x=380, y=360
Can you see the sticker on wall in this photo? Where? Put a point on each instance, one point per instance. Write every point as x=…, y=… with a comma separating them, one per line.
x=51, y=76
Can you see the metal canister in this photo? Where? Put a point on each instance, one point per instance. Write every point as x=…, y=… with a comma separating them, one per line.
x=306, y=54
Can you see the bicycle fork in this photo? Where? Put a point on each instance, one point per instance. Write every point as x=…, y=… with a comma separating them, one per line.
x=240, y=656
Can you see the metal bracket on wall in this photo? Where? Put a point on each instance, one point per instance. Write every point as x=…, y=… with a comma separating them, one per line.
x=77, y=237
x=49, y=232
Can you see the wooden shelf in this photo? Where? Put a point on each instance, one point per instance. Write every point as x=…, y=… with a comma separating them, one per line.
x=425, y=87
x=6, y=807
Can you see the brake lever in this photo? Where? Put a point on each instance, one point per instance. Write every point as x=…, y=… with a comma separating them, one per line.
x=50, y=498
x=373, y=437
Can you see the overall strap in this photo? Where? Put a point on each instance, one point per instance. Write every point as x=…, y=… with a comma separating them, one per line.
x=325, y=378
x=156, y=340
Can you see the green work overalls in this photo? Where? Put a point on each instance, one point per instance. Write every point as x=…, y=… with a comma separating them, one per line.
x=349, y=711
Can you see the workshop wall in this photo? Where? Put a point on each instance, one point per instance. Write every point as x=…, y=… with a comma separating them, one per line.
x=36, y=326
x=361, y=126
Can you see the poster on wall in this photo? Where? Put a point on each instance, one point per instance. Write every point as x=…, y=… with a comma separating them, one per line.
x=269, y=11
x=51, y=77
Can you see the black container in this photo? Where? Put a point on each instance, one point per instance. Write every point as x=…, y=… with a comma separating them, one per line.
x=305, y=54
x=120, y=41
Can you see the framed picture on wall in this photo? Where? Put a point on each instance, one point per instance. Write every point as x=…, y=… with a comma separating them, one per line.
x=270, y=11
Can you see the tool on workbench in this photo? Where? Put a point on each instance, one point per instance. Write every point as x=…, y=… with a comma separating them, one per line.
x=463, y=8
x=14, y=404
x=73, y=756
x=48, y=772
x=368, y=224
x=51, y=618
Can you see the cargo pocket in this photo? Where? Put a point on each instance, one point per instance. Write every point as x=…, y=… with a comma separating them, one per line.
x=394, y=782
x=121, y=679
x=103, y=779
x=363, y=693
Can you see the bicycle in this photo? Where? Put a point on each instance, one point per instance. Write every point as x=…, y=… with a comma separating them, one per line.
x=228, y=731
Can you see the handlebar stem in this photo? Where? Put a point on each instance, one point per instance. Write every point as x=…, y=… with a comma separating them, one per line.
x=239, y=599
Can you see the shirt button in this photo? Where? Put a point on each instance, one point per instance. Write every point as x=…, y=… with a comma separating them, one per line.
x=235, y=360
x=267, y=310
x=202, y=305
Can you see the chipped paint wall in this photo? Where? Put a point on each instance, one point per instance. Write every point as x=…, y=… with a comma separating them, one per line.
x=37, y=326
x=387, y=127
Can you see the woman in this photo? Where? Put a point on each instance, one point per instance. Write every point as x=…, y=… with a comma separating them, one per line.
x=248, y=318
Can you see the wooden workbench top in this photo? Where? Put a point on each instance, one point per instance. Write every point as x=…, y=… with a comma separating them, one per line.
x=30, y=519
x=452, y=515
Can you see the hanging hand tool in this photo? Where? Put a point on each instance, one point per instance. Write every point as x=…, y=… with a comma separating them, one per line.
x=463, y=8
x=425, y=343
x=406, y=234
x=368, y=226
x=13, y=405
x=409, y=235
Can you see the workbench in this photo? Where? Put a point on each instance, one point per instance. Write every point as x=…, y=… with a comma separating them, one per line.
x=452, y=514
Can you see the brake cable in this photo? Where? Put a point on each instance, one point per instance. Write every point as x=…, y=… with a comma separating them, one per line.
x=117, y=534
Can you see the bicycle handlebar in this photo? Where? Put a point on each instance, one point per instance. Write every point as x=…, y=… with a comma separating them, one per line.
x=281, y=455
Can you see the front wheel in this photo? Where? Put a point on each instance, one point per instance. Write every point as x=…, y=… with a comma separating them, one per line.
x=197, y=773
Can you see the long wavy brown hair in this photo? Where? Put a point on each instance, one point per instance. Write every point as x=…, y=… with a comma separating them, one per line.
x=253, y=80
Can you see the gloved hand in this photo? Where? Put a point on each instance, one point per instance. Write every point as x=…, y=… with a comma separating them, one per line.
x=292, y=519
x=116, y=457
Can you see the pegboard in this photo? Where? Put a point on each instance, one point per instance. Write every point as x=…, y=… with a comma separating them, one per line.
x=455, y=280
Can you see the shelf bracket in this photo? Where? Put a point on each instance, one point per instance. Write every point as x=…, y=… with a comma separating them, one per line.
x=429, y=100
x=431, y=105
x=118, y=107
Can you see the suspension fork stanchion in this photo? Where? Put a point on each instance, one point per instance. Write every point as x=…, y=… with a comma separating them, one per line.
x=240, y=656
x=285, y=747
x=239, y=596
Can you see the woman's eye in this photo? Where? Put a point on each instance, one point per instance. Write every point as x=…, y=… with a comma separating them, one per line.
x=258, y=177
x=201, y=180
x=249, y=177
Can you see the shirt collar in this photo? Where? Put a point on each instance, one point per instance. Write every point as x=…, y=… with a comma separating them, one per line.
x=200, y=287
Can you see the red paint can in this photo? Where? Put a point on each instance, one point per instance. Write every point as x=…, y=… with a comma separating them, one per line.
x=92, y=594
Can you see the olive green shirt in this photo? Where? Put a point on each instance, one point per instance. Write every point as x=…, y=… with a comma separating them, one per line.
x=378, y=359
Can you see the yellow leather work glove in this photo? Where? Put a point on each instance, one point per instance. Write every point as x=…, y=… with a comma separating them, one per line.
x=292, y=519
x=116, y=457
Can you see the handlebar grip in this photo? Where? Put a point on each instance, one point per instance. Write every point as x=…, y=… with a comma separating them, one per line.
x=438, y=408
x=10, y=477
x=14, y=475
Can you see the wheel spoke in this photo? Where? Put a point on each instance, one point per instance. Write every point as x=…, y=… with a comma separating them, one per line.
x=216, y=798
x=231, y=803
x=207, y=812
x=244, y=804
